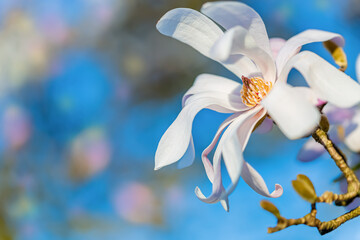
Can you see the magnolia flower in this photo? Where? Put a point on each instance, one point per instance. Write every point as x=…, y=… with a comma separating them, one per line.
x=263, y=66
x=345, y=128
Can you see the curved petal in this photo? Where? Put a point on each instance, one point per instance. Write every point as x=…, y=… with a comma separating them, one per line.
x=230, y=14
x=198, y=31
x=294, y=44
x=275, y=45
x=189, y=156
x=175, y=141
x=352, y=133
x=325, y=80
x=295, y=116
x=191, y=27
x=209, y=82
x=204, y=156
x=256, y=182
x=238, y=41
x=231, y=146
x=310, y=151
x=206, y=162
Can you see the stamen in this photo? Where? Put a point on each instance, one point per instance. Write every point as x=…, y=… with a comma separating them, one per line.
x=254, y=90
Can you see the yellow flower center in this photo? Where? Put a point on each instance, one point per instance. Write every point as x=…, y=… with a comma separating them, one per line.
x=254, y=90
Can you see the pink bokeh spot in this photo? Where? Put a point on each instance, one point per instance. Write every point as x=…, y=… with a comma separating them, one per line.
x=16, y=127
x=136, y=203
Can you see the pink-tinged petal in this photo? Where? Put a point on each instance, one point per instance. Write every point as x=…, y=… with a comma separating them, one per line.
x=230, y=14
x=231, y=146
x=327, y=82
x=294, y=44
x=275, y=45
x=256, y=182
x=209, y=82
x=206, y=162
x=175, y=141
x=310, y=151
x=204, y=156
x=357, y=67
x=320, y=102
x=198, y=31
x=352, y=133
x=295, y=116
x=238, y=41
x=265, y=127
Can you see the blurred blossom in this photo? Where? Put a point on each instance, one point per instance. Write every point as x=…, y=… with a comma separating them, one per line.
x=137, y=203
x=55, y=28
x=90, y=154
x=16, y=127
x=24, y=53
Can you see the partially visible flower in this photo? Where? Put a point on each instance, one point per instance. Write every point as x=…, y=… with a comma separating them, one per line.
x=345, y=128
x=263, y=66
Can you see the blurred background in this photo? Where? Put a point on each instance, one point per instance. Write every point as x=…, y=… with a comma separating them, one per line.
x=88, y=87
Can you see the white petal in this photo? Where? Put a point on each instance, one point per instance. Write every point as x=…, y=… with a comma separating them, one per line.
x=309, y=94
x=352, y=133
x=189, y=156
x=190, y=27
x=175, y=141
x=358, y=68
x=294, y=44
x=230, y=14
x=238, y=41
x=325, y=80
x=198, y=31
x=290, y=110
x=310, y=151
x=275, y=45
x=209, y=82
x=256, y=182
x=231, y=147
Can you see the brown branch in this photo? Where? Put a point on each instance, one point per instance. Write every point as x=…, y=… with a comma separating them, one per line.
x=353, y=183
x=311, y=221
x=353, y=191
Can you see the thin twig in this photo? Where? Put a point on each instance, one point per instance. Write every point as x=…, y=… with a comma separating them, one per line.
x=353, y=183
